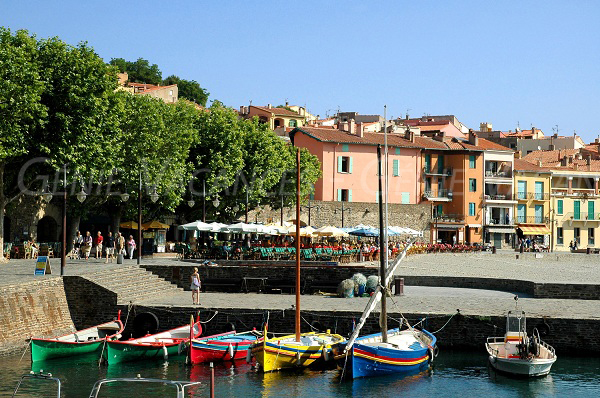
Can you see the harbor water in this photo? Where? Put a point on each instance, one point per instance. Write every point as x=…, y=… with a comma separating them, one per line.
x=454, y=374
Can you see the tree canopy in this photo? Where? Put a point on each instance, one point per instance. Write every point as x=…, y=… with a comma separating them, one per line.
x=139, y=71
x=188, y=89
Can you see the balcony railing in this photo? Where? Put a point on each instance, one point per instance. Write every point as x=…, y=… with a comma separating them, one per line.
x=533, y=220
x=580, y=192
x=447, y=171
x=449, y=218
x=581, y=216
x=439, y=193
x=505, y=196
x=500, y=221
x=538, y=195
x=498, y=174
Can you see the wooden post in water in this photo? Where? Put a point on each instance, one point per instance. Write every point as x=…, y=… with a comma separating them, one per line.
x=212, y=380
x=382, y=257
x=298, y=244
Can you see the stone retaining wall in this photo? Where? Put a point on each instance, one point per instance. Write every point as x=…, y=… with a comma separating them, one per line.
x=37, y=308
x=89, y=303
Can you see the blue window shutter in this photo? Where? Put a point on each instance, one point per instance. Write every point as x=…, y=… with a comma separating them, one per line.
x=397, y=151
x=339, y=191
x=405, y=198
x=376, y=196
x=350, y=165
x=339, y=164
x=396, y=167
x=349, y=195
x=345, y=148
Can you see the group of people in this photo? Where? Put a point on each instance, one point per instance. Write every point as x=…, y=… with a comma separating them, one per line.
x=112, y=245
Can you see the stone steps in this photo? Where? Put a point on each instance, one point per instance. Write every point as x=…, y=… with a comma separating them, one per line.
x=132, y=284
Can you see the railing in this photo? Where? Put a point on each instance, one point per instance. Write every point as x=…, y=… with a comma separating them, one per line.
x=447, y=171
x=500, y=221
x=498, y=174
x=581, y=216
x=506, y=196
x=440, y=193
x=538, y=195
x=533, y=220
x=449, y=218
x=580, y=192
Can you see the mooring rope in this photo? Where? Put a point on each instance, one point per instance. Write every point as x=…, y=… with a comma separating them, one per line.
x=211, y=318
x=447, y=322
x=102, y=353
x=26, y=348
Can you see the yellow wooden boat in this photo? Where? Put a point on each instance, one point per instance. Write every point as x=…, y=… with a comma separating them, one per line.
x=286, y=352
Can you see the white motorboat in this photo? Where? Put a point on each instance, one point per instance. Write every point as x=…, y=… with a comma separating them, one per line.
x=516, y=352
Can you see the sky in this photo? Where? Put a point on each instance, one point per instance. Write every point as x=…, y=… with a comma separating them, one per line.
x=509, y=63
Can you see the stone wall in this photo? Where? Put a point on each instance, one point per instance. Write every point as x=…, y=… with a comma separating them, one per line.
x=89, y=304
x=416, y=216
x=29, y=309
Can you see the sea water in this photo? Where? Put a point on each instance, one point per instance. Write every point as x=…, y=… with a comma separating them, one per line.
x=454, y=374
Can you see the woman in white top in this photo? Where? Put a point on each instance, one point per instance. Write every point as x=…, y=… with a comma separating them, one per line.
x=195, y=286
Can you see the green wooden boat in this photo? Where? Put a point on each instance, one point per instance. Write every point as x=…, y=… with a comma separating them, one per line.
x=152, y=347
x=82, y=342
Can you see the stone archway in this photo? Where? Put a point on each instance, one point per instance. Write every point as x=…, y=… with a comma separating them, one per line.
x=47, y=230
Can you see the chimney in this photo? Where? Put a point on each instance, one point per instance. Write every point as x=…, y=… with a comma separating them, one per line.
x=269, y=106
x=352, y=126
x=539, y=163
x=552, y=146
x=412, y=136
x=301, y=111
x=287, y=103
x=576, y=166
x=555, y=135
x=588, y=160
x=360, y=130
x=343, y=126
x=570, y=159
x=563, y=161
x=473, y=140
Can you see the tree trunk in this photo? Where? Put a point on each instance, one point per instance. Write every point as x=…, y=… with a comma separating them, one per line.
x=115, y=219
x=2, y=207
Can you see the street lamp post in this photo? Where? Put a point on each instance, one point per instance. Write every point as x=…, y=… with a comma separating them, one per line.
x=246, y=208
x=139, y=256
x=282, y=210
x=203, y=201
x=309, y=207
x=63, y=255
x=343, y=210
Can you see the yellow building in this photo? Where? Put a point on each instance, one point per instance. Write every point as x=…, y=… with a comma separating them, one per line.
x=532, y=185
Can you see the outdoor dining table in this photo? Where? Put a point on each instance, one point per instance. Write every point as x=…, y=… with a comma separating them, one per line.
x=260, y=282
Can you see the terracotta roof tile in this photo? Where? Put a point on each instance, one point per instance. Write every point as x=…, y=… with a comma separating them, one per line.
x=549, y=157
x=522, y=165
x=278, y=111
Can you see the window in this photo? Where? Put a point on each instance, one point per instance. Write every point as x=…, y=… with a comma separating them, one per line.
x=428, y=184
x=472, y=185
x=521, y=189
x=405, y=198
x=591, y=236
x=440, y=164
x=471, y=161
x=293, y=123
x=591, y=211
x=539, y=214
x=539, y=190
x=471, y=209
x=559, y=206
x=577, y=210
x=396, y=168
x=345, y=164
x=397, y=151
x=438, y=211
x=171, y=93
x=427, y=163
x=521, y=213
x=577, y=233
x=559, y=236
x=345, y=148
x=344, y=195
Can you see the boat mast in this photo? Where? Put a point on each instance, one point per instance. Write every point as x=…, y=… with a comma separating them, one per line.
x=387, y=187
x=298, y=245
x=383, y=320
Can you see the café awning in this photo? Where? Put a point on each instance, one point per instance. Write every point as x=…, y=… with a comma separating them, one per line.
x=535, y=229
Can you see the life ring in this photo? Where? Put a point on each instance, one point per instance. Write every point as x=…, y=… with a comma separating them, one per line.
x=145, y=323
x=430, y=354
x=544, y=328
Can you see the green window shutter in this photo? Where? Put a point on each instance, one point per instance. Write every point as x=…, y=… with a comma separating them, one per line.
x=396, y=168
x=576, y=209
x=591, y=210
x=349, y=195
x=472, y=161
x=339, y=164
x=440, y=164
x=559, y=205
x=471, y=209
x=405, y=198
x=397, y=151
x=339, y=191
x=345, y=148
x=350, y=165
x=427, y=163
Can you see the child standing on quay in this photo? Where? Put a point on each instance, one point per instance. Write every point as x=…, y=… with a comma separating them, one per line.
x=195, y=286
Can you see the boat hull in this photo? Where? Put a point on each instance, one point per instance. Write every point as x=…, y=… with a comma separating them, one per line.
x=225, y=347
x=42, y=350
x=282, y=353
x=367, y=360
x=522, y=367
x=118, y=352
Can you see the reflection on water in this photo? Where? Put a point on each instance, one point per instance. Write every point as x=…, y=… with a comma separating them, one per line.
x=454, y=373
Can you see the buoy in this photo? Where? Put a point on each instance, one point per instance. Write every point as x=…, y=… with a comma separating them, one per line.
x=325, y=354
x=249, y=355
x=165, y=353
x=181, y=348
x=230, y=350
x=298, y=358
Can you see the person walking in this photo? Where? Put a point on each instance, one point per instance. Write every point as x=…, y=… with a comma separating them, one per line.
x=87, y=245
x=77, y=243
x=131, y=247
x=195, y=286
x=99, y=242
x=110, y=247
x=120, y=244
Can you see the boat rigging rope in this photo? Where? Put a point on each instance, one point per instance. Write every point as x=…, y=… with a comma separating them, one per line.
x=26, y=348
x=447, y=322
x=102, y=353
x=211, y=318
x=344, y=368
x=129, y=306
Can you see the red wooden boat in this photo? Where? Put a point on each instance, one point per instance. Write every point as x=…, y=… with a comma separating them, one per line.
x=223, y=347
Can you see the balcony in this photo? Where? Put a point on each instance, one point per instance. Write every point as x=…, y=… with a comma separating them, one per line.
x=441, y=195
x=533, y=220
x=538, y=195
x=498, y=197
x=498, y=174
x=456, y=218
x=581, y=216
x=446, y=172
x=500, y=221
x=577, y=192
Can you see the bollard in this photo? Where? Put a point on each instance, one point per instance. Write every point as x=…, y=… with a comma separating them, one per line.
x=120, y=258
x=521, y=249
x=399, y=286
x=517, y=256
x=493, y=249
x=588, y=251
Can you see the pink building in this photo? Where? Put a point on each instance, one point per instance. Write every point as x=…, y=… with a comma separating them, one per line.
x=349, y=163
